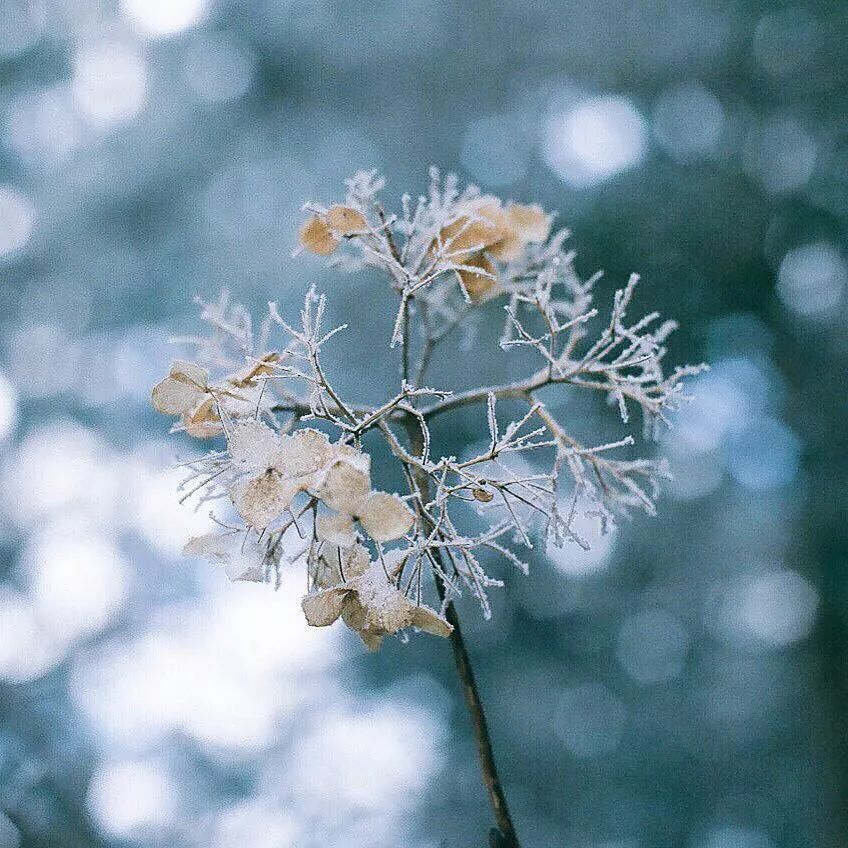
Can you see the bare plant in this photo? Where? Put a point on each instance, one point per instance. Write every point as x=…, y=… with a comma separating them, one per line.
x=294, y=466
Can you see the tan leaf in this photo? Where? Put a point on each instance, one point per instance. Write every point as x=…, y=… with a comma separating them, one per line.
x=385, y=517
x=482, y=495
x=481, y=226
x=253, y=445
x=345, y=220
x=264, y=367
x=316, y=237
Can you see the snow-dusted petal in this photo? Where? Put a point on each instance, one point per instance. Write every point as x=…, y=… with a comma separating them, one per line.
x=324, y=607
x=204, y=422
x=345, y=220
x=347, y=484
x=336, y=529
x=316, y=236
x=385, y=517
x=253, y=446
x=182, y=390
x=340, y=565
x=262, y=499
x=430, y=621
x=242, y=558
x=482, y=225
x=303, y=452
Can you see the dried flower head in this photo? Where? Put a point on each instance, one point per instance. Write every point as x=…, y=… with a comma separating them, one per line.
x=294, y=459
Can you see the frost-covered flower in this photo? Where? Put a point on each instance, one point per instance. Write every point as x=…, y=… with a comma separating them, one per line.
x=370, y=603
x=321, y=233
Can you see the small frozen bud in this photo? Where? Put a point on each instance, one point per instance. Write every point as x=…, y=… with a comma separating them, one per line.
x=345, y=220
x=182, y=391
x=482, y=495
x=475, y=283
x=385, y=517
x=316, y=237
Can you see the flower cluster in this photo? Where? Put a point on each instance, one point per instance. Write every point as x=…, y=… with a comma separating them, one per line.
x=294, y=468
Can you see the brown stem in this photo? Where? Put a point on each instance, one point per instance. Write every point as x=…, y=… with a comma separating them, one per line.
x=507, y=837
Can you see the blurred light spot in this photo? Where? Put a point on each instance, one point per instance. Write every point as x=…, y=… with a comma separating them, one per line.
x=738, y=334
x=109, y=83
x=61, y=469
x=589, y=720
x=493, y=152
x=594, y=140
x=42, y=360
x=369, y=759
x=785, y=41
x=812, y=279
x=652, y=646
x=688, y=121
x=218, y=67
x=257, y=824
x=695, y=473
x=17, y=219
x=10, y=836
x=21, y=26
x=726, y=400
x=77, y=580
x=131, y=798
x=778, y=607
x=26, y=650
x=734, y=837
x=43, y=126
x=8, y=408
x=158, y=18
x=764, y=456
x=781, y=155
x=571, y=558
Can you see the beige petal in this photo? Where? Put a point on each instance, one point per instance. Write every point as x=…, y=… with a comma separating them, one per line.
x=481, y=226
x=430, y=621
x=262, y=499
x=182, y=390
x=303, y=452
x=204, y=422
x=347, y=484
x=341, y=565
x=253, y=446
x=373, y=641
x=336, y=529
x=477, y=285
x=345, y=220
x=264, y=367
x=323, y=608
x=316, y=237
x=530, y=221
x=243, y=559
x=385, y=517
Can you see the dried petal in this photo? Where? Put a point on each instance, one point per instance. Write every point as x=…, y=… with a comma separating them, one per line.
x=430, y=621
x=303, y=453
x=346, y=220
x=477, y=285
x=339, y=565
x=316, y=237
x=347, y=484
x=324, y=607
x=242, y=558
x=481, y=226
x=204, y=422
x=182, y=391
x=254, y=447
x=264, y=367
x=262, y=499
x=336, y=529
x=482, y=495
x=385, y=517
x=531, y=221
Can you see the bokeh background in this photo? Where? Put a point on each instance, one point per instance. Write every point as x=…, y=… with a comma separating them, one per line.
x=684, y=684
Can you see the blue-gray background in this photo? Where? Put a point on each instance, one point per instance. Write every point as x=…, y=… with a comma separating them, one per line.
x=682, y=685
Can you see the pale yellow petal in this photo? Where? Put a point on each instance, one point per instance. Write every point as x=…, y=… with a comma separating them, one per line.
x=323, y=608
x=345, y=220
x=316, y=236
x=385, y=517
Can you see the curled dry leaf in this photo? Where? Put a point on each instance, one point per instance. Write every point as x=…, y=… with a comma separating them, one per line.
x=317, y=237
x=251, y=373
x=480, y=225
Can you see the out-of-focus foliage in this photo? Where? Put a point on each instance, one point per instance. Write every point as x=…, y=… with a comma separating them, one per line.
x=681, y=684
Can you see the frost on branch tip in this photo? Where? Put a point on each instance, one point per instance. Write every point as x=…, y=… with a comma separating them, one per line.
x=292, y=481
